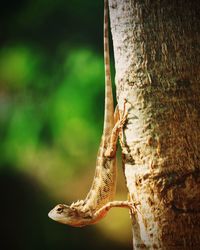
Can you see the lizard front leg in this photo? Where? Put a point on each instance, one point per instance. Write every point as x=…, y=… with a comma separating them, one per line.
x=123, y=204
x=120, y=121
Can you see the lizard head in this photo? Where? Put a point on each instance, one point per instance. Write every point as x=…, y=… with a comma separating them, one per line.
x=68, y=215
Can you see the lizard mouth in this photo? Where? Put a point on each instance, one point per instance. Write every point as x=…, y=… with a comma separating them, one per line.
x=50, y=214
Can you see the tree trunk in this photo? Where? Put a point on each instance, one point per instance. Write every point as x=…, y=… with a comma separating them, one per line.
x=156, y=49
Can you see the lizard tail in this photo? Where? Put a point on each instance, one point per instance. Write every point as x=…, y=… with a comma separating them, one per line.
x=109, y=106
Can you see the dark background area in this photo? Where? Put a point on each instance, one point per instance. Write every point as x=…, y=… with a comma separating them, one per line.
x=51, y=117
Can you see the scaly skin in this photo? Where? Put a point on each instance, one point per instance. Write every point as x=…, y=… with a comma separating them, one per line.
x=99, y=199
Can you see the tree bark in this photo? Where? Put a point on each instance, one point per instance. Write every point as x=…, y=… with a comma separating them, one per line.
x=156, y=49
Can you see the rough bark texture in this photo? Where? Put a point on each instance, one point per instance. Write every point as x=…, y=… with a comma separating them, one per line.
x=156, y=49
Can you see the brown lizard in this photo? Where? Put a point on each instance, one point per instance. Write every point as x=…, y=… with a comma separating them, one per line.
x=100, y=197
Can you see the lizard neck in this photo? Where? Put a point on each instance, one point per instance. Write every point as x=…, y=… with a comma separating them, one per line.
x=109, y=106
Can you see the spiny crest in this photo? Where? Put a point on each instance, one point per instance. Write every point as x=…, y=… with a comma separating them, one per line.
x=78, y=203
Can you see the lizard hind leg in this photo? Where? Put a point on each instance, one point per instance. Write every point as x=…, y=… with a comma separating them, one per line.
x=120, y=119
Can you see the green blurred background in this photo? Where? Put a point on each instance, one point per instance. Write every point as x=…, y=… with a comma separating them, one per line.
x=51, y=119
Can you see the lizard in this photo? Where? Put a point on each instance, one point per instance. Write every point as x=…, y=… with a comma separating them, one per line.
x=99, y=200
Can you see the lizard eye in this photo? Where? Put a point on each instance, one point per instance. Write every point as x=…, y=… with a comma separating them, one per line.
x=59, y=210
